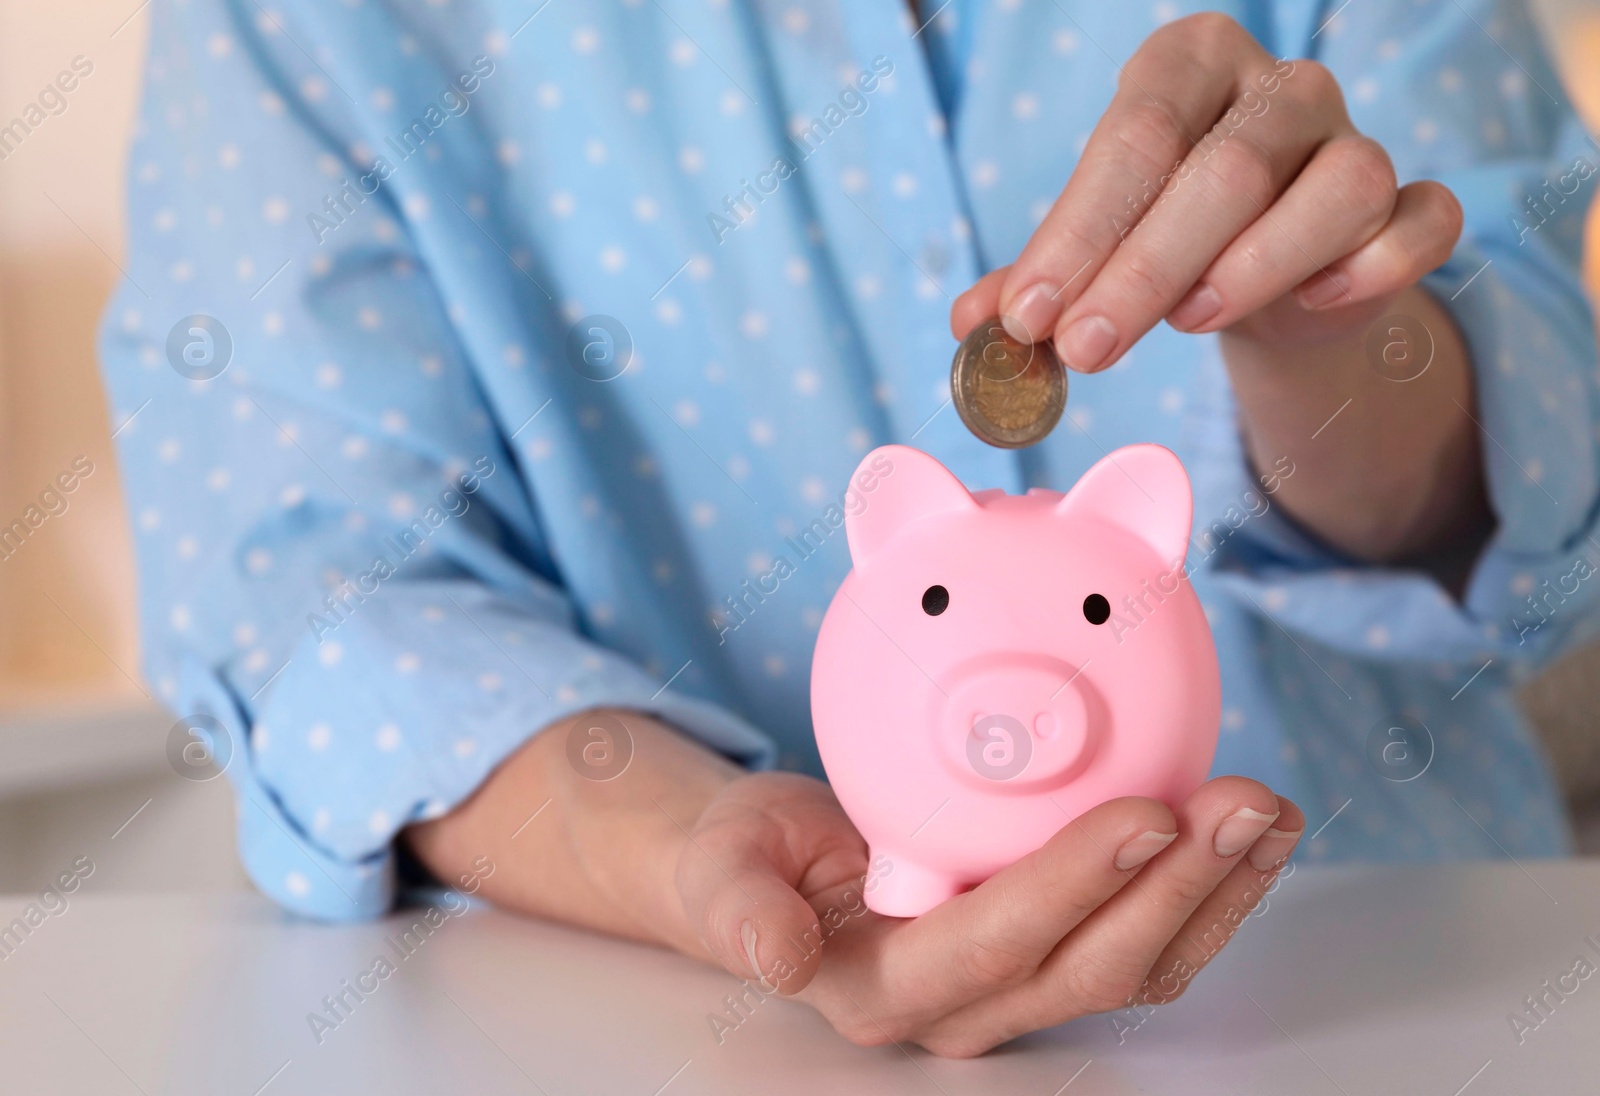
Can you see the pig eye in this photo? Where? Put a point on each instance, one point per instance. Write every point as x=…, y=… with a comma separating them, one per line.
x=935, y=600
x=1096, y=609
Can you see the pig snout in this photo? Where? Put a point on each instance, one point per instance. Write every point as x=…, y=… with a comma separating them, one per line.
x=1014, y=722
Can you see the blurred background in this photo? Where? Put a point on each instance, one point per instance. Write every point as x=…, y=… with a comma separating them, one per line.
x=82, y=745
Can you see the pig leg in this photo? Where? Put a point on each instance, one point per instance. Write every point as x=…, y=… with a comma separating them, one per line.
x=901, y=887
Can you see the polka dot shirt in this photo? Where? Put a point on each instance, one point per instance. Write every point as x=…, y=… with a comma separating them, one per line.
x=477, y=359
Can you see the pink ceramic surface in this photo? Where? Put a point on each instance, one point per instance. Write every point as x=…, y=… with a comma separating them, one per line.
x=961, y=729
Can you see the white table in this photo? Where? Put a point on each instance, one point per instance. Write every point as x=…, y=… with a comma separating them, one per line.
x=1353, y=981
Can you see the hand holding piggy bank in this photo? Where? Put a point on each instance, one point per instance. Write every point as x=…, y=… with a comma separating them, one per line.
x=996, y=665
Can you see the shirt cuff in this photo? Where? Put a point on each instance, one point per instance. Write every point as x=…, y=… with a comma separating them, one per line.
x=1532, y=591
x=396, y=712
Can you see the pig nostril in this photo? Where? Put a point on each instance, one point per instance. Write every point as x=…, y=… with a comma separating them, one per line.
x=1044, y=725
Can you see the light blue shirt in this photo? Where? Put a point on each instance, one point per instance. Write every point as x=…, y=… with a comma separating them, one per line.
x=423, y=513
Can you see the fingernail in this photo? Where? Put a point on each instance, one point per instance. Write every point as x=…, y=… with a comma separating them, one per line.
x=1033, y=313
x=1274, y=847
x=747, y=933
x=1201, y=304
x=1141, y=849
x=1085, y=344
x=1323, y=290
x=1239, y=831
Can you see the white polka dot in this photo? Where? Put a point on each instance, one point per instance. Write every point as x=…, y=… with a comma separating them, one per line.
x=388, y=738
x=297, y=884
x=318, y=737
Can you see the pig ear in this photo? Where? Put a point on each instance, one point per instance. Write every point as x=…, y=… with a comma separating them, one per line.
x=896, y=485
x=1143, y=489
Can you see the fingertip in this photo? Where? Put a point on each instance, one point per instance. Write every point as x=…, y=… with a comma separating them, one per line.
x=1225, y=795
x=1087, y=343
x=761, y=930
x=978, y=303
x=1290, y=817
x=1131, y=815
x=1445, y=200
x=963, y=318
x=1273, y=848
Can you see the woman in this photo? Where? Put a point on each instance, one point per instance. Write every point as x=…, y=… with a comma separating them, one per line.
x=510, y=342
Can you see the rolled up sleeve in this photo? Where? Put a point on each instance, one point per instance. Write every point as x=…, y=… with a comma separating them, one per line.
x=341, y=568
x=1464, y=93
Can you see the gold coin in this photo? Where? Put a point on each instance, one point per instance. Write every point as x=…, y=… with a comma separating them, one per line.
x=1009, y=393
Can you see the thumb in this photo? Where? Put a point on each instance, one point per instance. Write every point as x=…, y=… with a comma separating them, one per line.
x=737, y=877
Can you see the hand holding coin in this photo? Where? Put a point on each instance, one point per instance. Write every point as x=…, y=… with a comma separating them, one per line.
x=1009, y=393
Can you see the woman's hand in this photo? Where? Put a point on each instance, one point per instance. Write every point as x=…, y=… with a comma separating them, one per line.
x=764, y=875
x=1222, y=188
x=1120, y=908
x=1226, y=191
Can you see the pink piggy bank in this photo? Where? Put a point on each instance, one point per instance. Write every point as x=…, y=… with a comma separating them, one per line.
x=996, y=665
